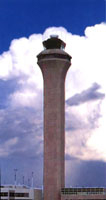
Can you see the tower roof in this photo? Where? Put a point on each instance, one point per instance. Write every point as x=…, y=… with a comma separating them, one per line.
x=54, y=43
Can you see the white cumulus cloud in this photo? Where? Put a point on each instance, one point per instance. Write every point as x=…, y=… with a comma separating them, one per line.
x=6, y=148
x=88, y=67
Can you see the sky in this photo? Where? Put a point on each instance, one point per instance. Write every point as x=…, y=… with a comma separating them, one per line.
x=24, y=25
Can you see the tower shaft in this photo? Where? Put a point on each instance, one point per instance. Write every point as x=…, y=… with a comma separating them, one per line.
x=54, y=65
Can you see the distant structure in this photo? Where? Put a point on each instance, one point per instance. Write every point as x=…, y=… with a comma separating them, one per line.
x=54, y=63
x=11, y=192
x=83, y=193
x=15, y=176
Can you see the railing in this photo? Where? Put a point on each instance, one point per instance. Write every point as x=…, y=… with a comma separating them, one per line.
x=83, y=191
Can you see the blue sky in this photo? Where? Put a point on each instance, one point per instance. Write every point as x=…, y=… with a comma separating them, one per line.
x=24, y=24
x=20, y=18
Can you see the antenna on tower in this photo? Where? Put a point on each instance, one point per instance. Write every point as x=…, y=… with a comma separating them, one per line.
x=15, y=177
x=28, y=182
x=0, y=179
x=32, y=179
x=23, y=180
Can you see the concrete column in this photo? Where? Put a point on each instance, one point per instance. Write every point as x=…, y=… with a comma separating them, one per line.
x=54, y=64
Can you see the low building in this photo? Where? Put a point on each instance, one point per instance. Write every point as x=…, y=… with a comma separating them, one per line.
x=84, y=193
x=20, y=193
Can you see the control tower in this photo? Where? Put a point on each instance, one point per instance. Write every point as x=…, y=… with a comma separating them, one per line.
x=54, y=63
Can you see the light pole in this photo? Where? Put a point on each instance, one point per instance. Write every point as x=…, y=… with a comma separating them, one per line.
x=15, y=177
